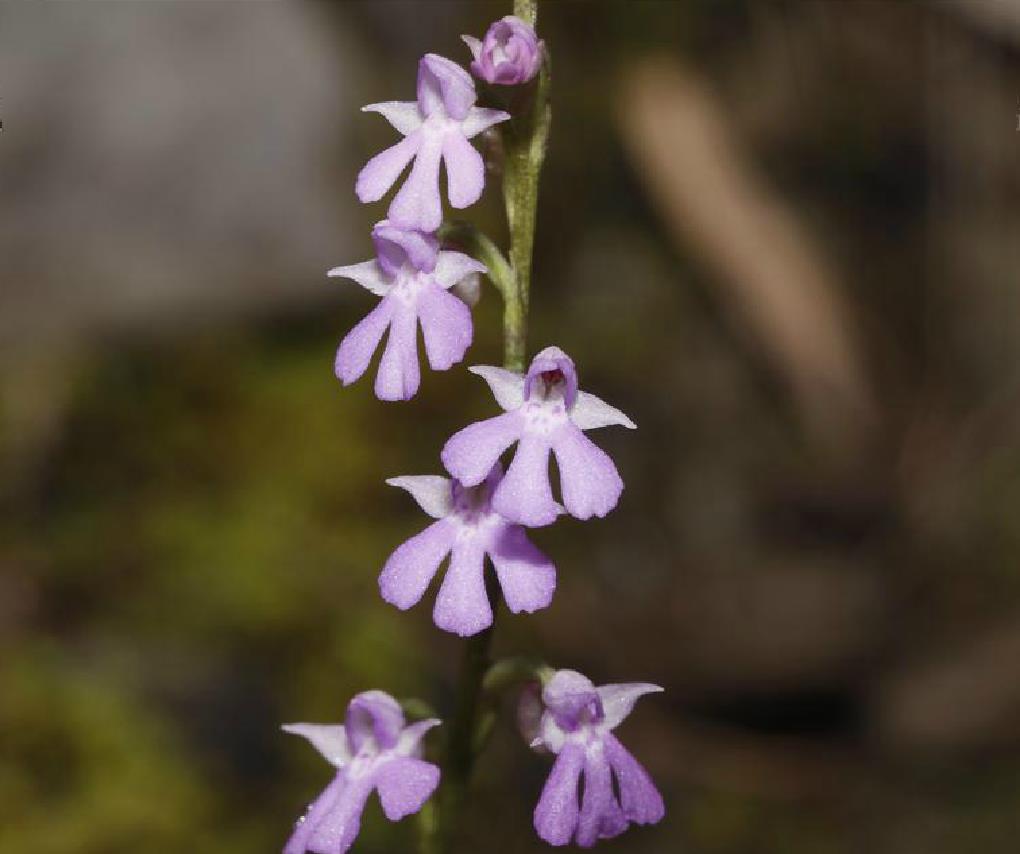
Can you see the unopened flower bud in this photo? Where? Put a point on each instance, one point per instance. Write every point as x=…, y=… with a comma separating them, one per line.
x=510, y=53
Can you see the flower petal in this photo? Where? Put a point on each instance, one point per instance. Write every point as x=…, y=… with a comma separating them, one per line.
x=551, y=735
x=431, y=491
x=329, y=739
x=569, y=696
x=507, y=387
x=368, y=274
x=474, y=45
x=465, y=170
x=601, y=816
x=414, y=563
x=618, y=700
x=557, y=811
x=404, y=785
x=336, y=831
x=409, y=743
x=373, y=717
x=397, y=247
x=462, y=605
x=445, y=325
x=481, y=118
x=321, y=806
x=527, y=577
x=548, y=360
x=378, y=175
x=444, y=84
x=590, y=412
x=417, y=204
x=358, y=345
x=588, y=478
x=403, y=115
x=524, y=495
x=639, y=798
x=399, y=376
x=452, y=267
x=470, y=454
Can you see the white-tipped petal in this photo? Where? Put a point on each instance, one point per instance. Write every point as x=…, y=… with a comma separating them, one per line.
x=403, y=115
x=590, y=412
x=431, y=491
x=368, y=274
x=474, y=45
x=550, y=736
x=329, y=739
x=618, y=700
x=507, y=387
x=452, y=267
x=409, y=743
x=481, y=118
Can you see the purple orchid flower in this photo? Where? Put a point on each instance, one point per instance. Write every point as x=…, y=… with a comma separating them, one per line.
x=510, y=53
x=412, y=275
x=544, y=410
x=435, y=127
x=469, y=528
x=372, y=749
x=576, y=724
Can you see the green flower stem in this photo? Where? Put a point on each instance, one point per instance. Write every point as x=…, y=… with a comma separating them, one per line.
x=428, y=833
x=527, y=11
x=524, y=143
x=462, y=744
x=524, y=139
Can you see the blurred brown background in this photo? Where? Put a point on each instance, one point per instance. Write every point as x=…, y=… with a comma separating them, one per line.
x=783, y=236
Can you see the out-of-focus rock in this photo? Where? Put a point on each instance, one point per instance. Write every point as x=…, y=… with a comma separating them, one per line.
x=167, y=161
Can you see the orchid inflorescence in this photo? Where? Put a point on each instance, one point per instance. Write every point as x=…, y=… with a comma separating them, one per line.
x=480, y=511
